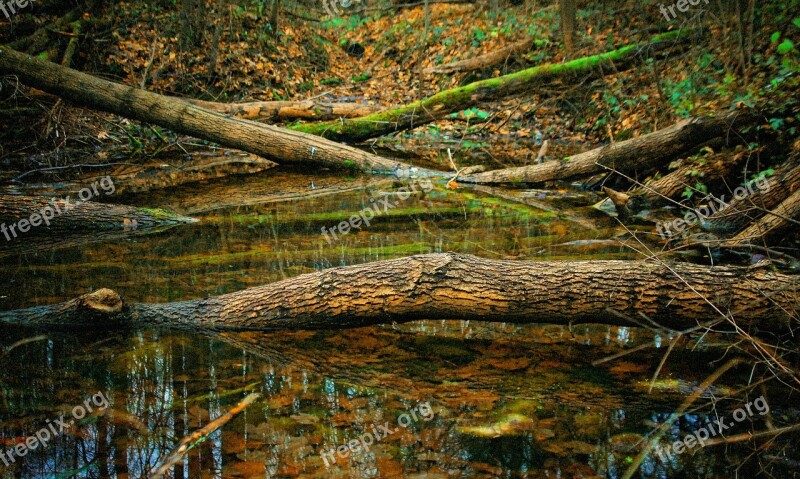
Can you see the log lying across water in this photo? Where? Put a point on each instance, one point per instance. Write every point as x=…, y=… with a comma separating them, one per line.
x=451, y=286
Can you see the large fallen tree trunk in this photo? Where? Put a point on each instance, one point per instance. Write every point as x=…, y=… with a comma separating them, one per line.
x=289, y=110
x=445, y=102
x=637, y=155
x=441, y=286
x=271, y=142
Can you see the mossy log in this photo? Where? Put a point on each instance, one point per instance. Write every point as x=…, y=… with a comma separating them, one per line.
x=443, y=103
x=451, y=286
x=271, y=142
x=632, y=157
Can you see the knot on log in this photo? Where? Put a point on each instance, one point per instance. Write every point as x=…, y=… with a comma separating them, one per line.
x=102, y=301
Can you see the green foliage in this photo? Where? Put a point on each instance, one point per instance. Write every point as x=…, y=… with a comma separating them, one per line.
x=330, y=81
x=473, y=112
x=361, y=78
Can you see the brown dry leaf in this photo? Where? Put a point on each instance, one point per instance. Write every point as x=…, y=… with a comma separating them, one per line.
x=249, y=469
x=510, y=364
x=233, y=442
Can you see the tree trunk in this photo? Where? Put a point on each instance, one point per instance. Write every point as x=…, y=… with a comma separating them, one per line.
x=289, y=110
x=785, y=216
x=443, y=103
x=567, y=13
x=743, y=211
x=277, y=144
x=637, y=155
x=489, y=60
x=449, y=286
x=672, y=185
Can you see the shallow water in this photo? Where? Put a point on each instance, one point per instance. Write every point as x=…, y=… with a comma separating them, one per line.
x=504, y=400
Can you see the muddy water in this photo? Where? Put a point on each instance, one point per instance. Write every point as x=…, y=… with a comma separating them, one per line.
x=427, y=399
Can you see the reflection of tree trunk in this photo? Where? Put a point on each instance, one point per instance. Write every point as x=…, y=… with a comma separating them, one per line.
x=637, y=155
x=31, y=215
x=444, y=286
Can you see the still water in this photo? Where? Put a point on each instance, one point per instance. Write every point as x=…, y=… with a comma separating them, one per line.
x=440, y=399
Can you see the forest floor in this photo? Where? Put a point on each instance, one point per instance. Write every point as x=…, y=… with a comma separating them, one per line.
x=383, y=57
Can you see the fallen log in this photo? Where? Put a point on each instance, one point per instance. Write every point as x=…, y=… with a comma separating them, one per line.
x=672, y=185
x=489, y=60
x=447, y=286
x=742, y=211
x=271, y=142
x=289, y=110
x=443, y=103
x=783, y=217
x=637, y=155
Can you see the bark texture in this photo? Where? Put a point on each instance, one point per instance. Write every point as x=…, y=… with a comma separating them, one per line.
x=637, y=155
x=271, y=142
x=445, y=286
x=491, y=59
x=740, y=212
x=289, y=110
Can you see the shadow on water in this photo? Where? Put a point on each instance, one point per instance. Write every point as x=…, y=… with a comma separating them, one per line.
x=505, y=400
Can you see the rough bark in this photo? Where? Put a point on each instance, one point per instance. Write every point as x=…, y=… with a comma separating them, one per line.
x=448, y=286
x=271, y=142
x=778, y=220
x=637, y=155
x=567, y=13
x=443, y=103
x=672, y=185
x=73, y=216
x=740, y=212
x=289, y=110
x=491, y=59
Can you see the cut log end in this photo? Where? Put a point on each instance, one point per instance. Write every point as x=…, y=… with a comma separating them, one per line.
x=103, y=301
